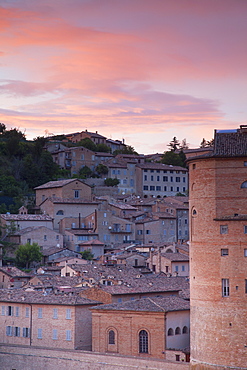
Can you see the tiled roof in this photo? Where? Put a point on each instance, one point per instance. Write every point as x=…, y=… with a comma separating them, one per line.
x=160, y=166
x=32, y=228
x=175, y=256
x=93, y=242
x=19, y=217
x=123, y=206
x=70, y=200
x=149, y=284
x=37, y=297
x=148, y=304
x=55, y=280
x=13, y=271
x=56, y=184
x=230, y=143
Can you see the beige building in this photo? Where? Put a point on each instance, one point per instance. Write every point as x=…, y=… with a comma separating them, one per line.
x=176, y=264
x=12, y=277
x=32, y=318
x=159, y=180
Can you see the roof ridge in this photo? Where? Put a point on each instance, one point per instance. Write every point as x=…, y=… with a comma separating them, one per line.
x=156, y=304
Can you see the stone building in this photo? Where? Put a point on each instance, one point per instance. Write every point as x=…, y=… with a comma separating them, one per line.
x=218, y=253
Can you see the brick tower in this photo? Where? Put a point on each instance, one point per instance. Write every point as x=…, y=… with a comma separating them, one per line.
x=218, y=253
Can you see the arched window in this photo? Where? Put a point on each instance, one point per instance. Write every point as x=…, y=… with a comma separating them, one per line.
x=111, y=337
x=244, y=184
x=185, y=330
x=143, y=341
x=60, y=212
x=170, y=332
x=177, y=331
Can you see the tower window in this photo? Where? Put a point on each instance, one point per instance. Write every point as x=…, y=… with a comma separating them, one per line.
x=225, y=288
x=223, y=229
x=224, y=252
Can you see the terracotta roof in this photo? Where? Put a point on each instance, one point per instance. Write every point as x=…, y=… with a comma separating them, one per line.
x=13, y=271
x=230, y=143
x=36, y=297
x=92, y=242
x=160, y=166
x=19, y=217
x=175, y=256
x=58, y=184
x=70, y=200
x=148, y=304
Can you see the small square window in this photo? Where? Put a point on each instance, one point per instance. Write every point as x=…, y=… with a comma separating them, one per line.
x=245, y=252
x=223, y=229
x=224, y=252
x=245, y=229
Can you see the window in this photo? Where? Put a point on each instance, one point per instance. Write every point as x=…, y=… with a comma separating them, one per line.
x=76, y=193
x=17, y=331
x=119, y=300
x=224, y=252
x=45, y=237
x=54, y=334
x=152, y=187
x=225, y=288
x=244, y=184
x=177, y=331
x=171, y=188
x=68, y=334
x=170, y=332
x=183, y=268
x=177, y=179
x=152, y=178
x=177, y=357
x=39, y=334
x=55, y=313
x=143, y=341
x=148, y=232
x=3, y=310
x=60, y=212
x=25, y=332
x=185, y=221
x=176, y=268
x=223, y=229
x=158, y=178
x=245, y=252
x=245, y=285
x=10, y=311
x=164, y=232
x=139, y=232
x=17, y=311
x=185, y=330
x=145, y=177
x=27, y=312
x=9, y=331
x=184, y=180
x=178, y=188
x=145, y=187
x=40, y=313
x=111, y=337
x=245, y=229
x=158, y=188
x=171, y=179
x=165, y=178
x=165, y=188
x=68, y=314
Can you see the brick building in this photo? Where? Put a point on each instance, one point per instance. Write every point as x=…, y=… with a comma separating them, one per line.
x=145, y=327
x=218, y=253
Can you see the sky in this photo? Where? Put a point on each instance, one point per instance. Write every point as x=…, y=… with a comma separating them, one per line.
x=142, y=70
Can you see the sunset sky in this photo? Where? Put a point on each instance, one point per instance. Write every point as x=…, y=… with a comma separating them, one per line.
x=142, y=70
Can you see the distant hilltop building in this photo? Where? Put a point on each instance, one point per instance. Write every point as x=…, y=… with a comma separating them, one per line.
x=218, y=253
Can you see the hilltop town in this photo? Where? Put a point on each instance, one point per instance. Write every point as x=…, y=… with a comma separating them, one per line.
x=112, y=274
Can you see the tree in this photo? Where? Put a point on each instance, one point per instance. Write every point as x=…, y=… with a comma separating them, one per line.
x=85, y=172
x=207, y=143
x=111, y=182
x=88, y=143
x=28, y=253
x=101, y=169
x=2, y=128
x=103, y=148
x=128, y=149
x=174, y=144
x=172, y=158
x=183, y=145
x=87, y=255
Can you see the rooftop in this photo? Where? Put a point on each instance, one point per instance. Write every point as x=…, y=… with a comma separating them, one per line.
x=148, y=304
